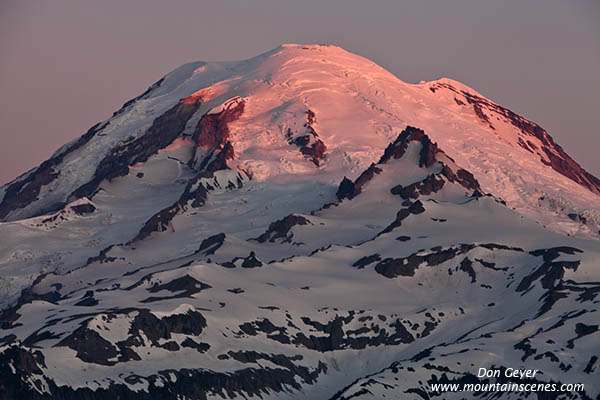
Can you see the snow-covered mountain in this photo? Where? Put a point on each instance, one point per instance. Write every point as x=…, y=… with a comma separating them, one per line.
x=302, y=224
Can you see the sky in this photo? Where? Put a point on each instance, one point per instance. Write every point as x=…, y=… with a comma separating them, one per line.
x=67, y=64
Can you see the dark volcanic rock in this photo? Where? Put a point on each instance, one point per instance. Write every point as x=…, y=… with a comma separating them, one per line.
x=212, y=134
x=211, y=244
x=25, y=191
x=581, y=330
x=364, y=178
x=393, y=267
x=331, y=336
x=559, y=160
x=90, y=346
x=427, y=186
x=316, y=151
x=161, y=221
x=345, y=190
x=163, y=131
x=83, y=209
x=195, y=192
x=577, y=218
x=200, y=347
x=251, y=261
x=309, y=143
x=281, y=229
x=427, y=158
x=414, y=208
x=185, y=283
x=184, y=286
x=212, y=129
x=366, y=260
x=87, y=300
x=396, y=150
x=189, y=383
x=550, y=271
x=466, y=265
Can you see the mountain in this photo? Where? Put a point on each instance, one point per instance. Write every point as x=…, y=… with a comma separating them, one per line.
x=301, y=224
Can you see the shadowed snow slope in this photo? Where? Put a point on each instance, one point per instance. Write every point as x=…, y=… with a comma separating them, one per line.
x=301, y=224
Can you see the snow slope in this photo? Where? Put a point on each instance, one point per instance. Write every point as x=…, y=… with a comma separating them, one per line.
x=301, y=224
x=359, y=107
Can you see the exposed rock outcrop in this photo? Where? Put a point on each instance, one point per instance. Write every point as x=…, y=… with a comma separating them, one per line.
x=164, y=130
x=551, y=154
x=309, y=142
x=281, y=229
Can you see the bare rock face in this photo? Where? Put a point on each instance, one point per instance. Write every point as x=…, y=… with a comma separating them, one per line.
x=212, y=129
x=83, y=209
x=348, y=189
x=345, y=189
x=429, y=185
x=428, y=156
x=397, y=149
x=281, y=229
x=23, y=192
x=407, y=266
x=211, y=244
x=164, y=130
x=309, y=142
x=212, y=134
x=161, y=221
x=557, y=158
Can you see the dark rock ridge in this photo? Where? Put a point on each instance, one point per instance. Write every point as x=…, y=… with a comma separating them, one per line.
x=145, y=329
x=335, y=334
x=391, y=380
x=211, y=244
x=251, y=261
x=433, y=184
x=428, y=156
x=190, y=383
x=144, y=95
x=161, y=221
x=246, y=262
x=211, y=134
x=429, y=185
x=63, y=215
x=559, y=160
x=164, y=130
x=550, y=271
x=395, y=150
x=414, y=208
x=83, y=209
x=349, y=189
x=182, y=287
x=345, y=189
x=253, y=357
x=309, y=143
x=406, y=266
x=194, y=195
x=25, y=191
x=364, y=178
x=281, y=229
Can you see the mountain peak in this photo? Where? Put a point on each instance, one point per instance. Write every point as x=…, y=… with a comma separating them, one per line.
x=197, y=243
x=311, y=113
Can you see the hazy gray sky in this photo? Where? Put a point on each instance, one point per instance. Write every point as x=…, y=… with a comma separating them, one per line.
x=67, y=64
